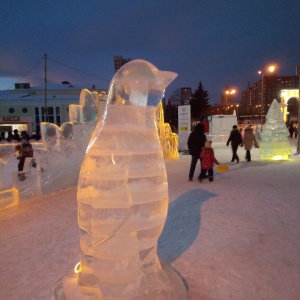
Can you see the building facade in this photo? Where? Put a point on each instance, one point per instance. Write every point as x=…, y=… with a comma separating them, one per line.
x=185, y=95
x=119, y=61
x=25, y=107
x=257, y=98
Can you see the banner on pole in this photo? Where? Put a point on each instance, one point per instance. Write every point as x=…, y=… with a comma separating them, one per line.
x=184, y=126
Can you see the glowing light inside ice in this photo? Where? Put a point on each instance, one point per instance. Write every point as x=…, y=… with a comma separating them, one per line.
x=280, y=157
x=274, y=143
x=77, y=268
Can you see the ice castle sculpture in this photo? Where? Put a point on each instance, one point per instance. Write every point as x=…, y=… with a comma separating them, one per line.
x=274, y=143
x=57, y=157
x=123, y=195
x=66, y=145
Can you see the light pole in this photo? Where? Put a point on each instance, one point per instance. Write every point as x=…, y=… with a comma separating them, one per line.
x=270, y=69
x=45, y=89
x=237, y=111
x=227, y=93
x=298, y=73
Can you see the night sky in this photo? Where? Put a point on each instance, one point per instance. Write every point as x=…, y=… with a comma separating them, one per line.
x=221, y=43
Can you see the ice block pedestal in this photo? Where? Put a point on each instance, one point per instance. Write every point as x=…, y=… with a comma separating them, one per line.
x=68, y=289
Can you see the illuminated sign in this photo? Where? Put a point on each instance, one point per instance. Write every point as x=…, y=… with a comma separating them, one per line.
x=10, y=119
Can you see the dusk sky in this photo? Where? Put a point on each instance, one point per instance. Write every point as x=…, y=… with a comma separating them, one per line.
x=220, y=43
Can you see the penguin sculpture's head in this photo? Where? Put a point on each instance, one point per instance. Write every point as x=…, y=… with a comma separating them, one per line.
x=139, y=82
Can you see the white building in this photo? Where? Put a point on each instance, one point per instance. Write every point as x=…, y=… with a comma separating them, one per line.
x=25, y=107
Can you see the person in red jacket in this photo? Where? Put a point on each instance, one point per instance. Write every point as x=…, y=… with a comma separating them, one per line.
x=208, y=159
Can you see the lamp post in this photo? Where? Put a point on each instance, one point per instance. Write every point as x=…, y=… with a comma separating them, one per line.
x=270, y=69
x=227, y=93
x=237, y=110
x=298, y=144
x=45, y=89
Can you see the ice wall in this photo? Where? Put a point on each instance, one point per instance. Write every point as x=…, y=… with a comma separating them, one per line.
x=66, y=145
x=57, y=157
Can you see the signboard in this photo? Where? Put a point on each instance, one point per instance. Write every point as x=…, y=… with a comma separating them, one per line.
x=222, y=124
x=15, y=119
x=184, y=126
x=10, y=119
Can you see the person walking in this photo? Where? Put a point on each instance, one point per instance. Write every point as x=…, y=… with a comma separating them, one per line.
x=196, y=142
x=291, y=129
x=296, y=128
x=248, y=141
x=208, y=159
x=235, y=139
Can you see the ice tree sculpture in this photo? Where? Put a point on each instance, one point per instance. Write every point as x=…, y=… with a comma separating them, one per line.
x=123, y=194
x=274, y=143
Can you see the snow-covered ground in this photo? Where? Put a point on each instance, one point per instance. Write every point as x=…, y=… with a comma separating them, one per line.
x=235, y=238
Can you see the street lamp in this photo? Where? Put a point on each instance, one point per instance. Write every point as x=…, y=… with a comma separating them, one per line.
x=298, y=73
x=228, y=92
x=270, y=69
x=237, y=109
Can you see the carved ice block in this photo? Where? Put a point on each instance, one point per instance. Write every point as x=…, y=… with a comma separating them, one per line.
x=76, y=113
x=123, y=195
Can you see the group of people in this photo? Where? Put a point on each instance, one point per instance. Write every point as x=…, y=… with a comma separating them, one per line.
x=247, y=140
x=200, y=149
x=15, y=136
x=23, y=146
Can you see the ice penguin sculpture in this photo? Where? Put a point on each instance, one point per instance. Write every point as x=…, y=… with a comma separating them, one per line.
x=123, y=194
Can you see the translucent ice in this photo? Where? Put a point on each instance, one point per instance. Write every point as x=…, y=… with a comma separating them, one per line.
x=274, y=143
x=123, y=192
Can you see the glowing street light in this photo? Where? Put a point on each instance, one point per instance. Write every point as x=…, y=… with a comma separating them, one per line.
x=270, y=69
x=227, y=93
x=237, y=110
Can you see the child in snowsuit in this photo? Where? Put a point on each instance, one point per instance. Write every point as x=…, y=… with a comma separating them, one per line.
x=208, y=159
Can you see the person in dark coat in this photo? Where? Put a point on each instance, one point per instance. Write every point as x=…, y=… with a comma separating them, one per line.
x=24, y=135
x=25, y=150
x=291, y=129
x=16, y=135
x=196, y=142
x=10, y=136
x=235, y=139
